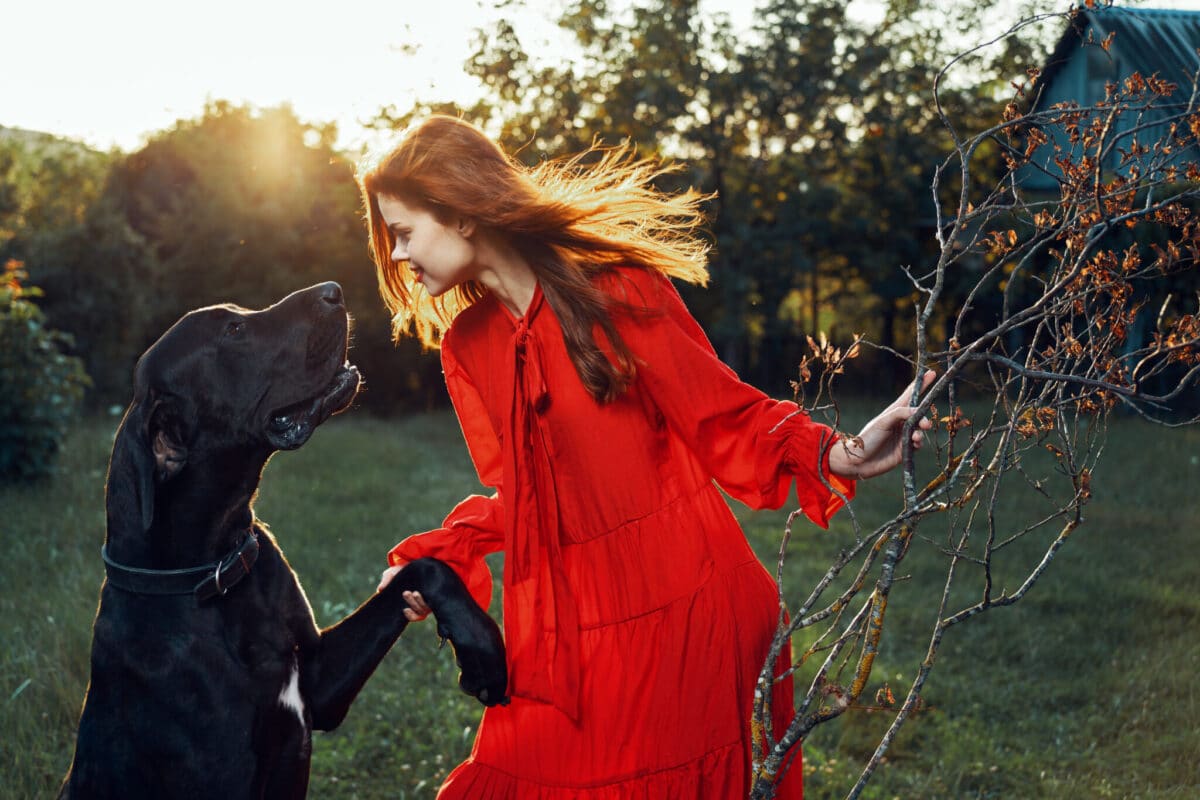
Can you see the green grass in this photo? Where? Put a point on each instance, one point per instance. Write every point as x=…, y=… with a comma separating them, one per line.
x=1084, y=689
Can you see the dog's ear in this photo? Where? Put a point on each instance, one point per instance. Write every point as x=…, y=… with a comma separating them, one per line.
x=129, y=493
x=149, y=449
x=167, y=431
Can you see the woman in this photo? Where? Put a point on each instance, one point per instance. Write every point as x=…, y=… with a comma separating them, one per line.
x=636, y=616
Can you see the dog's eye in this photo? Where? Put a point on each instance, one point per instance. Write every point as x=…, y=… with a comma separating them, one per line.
x=234, y=328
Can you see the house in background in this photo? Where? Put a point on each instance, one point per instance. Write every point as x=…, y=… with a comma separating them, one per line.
x=1146, y=41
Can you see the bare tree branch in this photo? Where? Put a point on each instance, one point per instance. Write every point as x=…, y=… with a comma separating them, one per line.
x=1034, y=354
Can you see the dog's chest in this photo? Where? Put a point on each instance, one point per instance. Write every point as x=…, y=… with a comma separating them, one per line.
x=287, y=716
x=273, y=659
x=289, y=695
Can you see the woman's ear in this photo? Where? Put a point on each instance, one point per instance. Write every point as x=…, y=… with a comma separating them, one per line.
x=466, y=226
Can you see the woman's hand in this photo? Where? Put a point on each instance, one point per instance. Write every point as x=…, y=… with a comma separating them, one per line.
x=417, y=609
x=879, y=447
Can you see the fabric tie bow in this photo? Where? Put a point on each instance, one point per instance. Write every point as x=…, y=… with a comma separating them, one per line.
x=541, y=619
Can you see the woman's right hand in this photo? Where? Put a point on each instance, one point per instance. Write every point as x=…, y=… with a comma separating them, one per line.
x=387, y=576
x=417, y=608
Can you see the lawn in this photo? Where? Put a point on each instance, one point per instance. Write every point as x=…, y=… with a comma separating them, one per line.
x=1084, y=689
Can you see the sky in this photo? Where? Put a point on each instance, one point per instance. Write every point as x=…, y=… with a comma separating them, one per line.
x=111, y=73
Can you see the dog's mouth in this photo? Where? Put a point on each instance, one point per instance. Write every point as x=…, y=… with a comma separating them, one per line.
x=291, y=426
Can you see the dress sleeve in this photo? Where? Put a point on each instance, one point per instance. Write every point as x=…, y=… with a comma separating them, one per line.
x=476, y=525
x=754, y=446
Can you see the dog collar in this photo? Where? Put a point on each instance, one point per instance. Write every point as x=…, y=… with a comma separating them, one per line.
x=205, y=582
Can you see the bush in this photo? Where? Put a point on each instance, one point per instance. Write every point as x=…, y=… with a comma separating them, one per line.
x=41, y=388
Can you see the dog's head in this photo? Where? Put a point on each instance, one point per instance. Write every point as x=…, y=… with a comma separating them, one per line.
x=225, y=381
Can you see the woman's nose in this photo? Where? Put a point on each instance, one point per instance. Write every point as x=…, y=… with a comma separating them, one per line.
x=400, y=252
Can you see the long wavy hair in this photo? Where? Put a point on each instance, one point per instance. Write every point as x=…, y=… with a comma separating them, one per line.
x=572, y=219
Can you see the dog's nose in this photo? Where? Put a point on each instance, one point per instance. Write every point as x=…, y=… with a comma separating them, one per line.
x=330, y=293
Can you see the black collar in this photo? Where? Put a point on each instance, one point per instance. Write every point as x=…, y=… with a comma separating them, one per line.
x=204, y=582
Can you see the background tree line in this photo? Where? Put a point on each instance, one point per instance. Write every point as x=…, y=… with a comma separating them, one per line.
x=815, y=130
x=239, y=205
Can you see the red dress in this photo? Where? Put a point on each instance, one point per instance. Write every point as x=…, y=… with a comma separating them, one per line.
x=636, y=615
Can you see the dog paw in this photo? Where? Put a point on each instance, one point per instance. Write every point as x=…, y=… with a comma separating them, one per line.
x=484, y=675
x=479, y=653
x=475, y=637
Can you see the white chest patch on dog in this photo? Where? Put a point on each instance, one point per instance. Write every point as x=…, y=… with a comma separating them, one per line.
x=290, y=697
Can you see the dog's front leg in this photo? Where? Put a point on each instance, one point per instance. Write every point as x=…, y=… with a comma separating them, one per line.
x=338, y=665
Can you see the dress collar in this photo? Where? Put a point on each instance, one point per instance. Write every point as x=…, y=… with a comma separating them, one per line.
x=531, y=310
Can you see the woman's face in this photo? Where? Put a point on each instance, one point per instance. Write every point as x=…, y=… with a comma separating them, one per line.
x=440, y=254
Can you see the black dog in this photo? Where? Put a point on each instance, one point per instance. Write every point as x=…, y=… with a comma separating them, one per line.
x=208, y=680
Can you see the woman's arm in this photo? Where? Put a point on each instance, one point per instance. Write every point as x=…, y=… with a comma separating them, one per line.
x=472, y=530
x=754, y=446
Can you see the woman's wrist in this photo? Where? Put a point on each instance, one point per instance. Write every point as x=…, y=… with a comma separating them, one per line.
x=842, y=463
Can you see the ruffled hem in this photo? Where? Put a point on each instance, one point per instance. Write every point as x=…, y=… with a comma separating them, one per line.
x=472, y=530
x=717, y=775
x=785, y=456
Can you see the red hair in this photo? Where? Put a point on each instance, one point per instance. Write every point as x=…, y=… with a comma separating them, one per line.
x=571, y=220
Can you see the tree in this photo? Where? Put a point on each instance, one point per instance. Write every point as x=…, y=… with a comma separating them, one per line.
x=41, y=386
x=1011, y=480
x=240, y=205
x=811, y=129
x=46, y=185
x=50, y=220
x=748, y=119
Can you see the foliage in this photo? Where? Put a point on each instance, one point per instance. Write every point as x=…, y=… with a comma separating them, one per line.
x=815, y=130
x=46, y=185
x=238, y=206
x=41, y=387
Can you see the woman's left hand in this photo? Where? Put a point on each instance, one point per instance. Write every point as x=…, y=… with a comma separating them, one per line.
x=879, y=448
x=417, y=609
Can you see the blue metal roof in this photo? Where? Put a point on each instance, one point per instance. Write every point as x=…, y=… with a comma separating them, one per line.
x=1147, y=41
